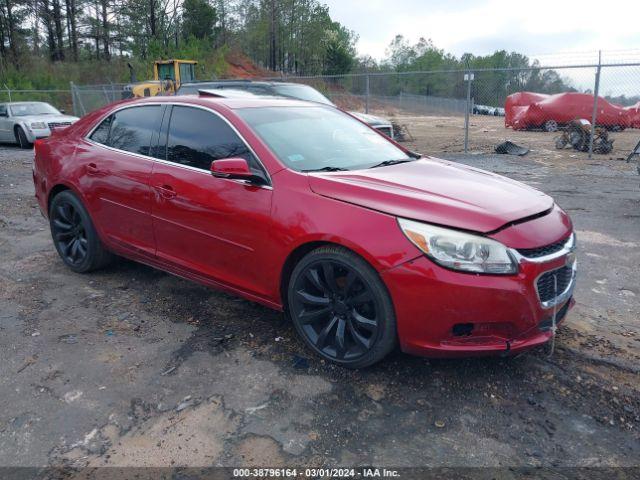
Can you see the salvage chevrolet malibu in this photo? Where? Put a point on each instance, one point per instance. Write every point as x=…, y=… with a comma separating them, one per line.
x=305, y=209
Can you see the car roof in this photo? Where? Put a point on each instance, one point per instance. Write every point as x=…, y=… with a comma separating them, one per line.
x=242, y=82
x=231, y=103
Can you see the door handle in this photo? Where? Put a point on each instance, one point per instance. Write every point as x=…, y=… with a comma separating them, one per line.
x=166, y=191
x=92, y=169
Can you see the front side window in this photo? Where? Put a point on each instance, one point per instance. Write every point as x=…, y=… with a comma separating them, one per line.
x=130, y=129
x=3, y=110
x=314, y=138
x=197, y=138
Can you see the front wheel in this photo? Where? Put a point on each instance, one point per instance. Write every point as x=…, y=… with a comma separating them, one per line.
x=341, y=308
x=22, y=139
x=74, y=235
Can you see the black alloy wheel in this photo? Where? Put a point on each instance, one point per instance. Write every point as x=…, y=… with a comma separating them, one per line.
x=74, y=235
x=341, y=308
x=69, y=233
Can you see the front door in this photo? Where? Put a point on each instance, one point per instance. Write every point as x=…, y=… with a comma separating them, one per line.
x=212, y=226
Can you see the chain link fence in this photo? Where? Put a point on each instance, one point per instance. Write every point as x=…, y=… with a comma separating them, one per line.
x=87, y=98
x=592, y=107
x=576, y=107
x=61, y=99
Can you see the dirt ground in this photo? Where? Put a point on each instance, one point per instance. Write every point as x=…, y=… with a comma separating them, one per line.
x=445, y=134
x=132, y=366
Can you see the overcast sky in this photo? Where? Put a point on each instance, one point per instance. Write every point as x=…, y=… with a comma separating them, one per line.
x=483, y=26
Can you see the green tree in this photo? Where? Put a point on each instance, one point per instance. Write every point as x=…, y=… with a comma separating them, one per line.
x=198, y=19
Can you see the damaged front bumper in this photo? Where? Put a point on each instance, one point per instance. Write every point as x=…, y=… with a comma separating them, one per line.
x=444, y=313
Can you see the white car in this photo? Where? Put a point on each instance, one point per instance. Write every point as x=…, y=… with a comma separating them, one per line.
x=24, y=122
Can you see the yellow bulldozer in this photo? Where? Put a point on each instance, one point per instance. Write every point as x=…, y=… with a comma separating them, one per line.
x=168, y=75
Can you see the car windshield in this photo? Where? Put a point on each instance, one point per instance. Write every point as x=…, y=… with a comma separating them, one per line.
x=35, y=108
x=317, y=138
x=302, y=92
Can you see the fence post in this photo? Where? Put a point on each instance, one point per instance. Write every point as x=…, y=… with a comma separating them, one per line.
x=366, y=105
x=73, y=99
x=468, y=77
x=8, y=92
x=594, y=115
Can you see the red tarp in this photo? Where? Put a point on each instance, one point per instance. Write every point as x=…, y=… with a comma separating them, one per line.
x=633, y=115
x=532, y=110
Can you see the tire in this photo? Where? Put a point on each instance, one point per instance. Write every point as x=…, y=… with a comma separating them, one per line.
x=21, y=138
x=341, y=308
x=74, y=235
x=551, y=126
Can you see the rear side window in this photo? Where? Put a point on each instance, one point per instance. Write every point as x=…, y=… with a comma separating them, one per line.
x=101, y=134
x=130, y=129
x=197, y=138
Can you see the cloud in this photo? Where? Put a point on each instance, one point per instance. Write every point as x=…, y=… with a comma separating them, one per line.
x=483, y=26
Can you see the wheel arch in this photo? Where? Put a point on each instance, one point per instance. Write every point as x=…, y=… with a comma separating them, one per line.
x=16, y=126
x=61, y=187
x=303, y=249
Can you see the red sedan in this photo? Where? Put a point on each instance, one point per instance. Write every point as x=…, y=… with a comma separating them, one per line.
x=305, y=209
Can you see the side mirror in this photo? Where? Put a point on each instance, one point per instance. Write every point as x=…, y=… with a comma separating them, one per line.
x=4, y=114
x=231, y=168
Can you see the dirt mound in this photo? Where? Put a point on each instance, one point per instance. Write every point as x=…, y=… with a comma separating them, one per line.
x=241, y=66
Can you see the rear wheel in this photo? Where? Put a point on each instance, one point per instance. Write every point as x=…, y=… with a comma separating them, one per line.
x=341, y=308
x=74, y=235
x=21, y=138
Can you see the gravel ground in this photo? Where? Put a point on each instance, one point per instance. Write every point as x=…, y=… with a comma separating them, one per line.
x=132, y=366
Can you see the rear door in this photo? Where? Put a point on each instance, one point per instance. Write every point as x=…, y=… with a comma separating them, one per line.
x=116, y=167
x=212, y=226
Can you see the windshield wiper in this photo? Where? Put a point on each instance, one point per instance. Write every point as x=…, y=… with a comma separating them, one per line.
x=390, y=162
x=327, y=169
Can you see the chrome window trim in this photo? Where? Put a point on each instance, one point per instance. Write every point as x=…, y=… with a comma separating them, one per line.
x=568, y=247
x=87, y=138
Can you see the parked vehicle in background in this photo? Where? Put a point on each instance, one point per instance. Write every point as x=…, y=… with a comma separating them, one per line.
x=488, y=110
x=24, y=122
x=288, y=90
x=168, y=75
x=550, y=112
x=303, y=208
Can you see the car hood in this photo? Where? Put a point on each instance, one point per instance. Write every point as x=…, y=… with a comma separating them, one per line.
x=435, y=191
x=370, y=119
x=47, y=118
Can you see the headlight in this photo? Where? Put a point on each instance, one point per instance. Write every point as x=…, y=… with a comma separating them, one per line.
x=38, y=125
x=458, y=250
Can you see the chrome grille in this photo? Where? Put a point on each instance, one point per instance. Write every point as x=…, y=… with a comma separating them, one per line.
x=53, y=125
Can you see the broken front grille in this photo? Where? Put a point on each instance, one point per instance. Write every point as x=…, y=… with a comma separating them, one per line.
x=546, y=289
x=547, y=323
x=543, y=251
